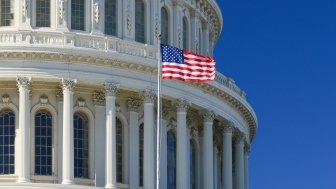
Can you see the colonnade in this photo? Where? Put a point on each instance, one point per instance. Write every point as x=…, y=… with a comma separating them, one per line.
x=233, y=141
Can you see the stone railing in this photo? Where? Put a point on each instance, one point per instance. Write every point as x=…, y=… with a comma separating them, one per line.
x=229, y=83
x=76, y=40
x=98, y=43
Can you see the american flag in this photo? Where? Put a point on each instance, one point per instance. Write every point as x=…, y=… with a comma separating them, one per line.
x=186, y=66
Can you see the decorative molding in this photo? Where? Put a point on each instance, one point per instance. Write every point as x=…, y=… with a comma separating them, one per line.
x=68, y=84
x=208, y=116
x=148, y=95
x=133, y=105
x=111, y=88
x=98, y=98
x=239, y=137
x=182, y=105
x=172, y=124
x=193, y=132
x=129, y=20
x=157, y=25
x=165, y=113
x=24, y=82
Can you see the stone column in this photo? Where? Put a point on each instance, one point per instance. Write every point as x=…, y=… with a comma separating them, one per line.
x=182, y=145
x=24, y=84
x=111, y=150
x=133, y=109
x=149, y=158
x=246, y=172
x=68, y=87
x=59, y=96
x=208, y=165
x=227, y=157
x=239, y=161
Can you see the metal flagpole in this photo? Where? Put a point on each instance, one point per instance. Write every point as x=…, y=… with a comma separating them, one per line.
x=158, y=123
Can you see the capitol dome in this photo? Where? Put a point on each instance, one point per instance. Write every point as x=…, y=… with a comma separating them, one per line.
x=77, y=99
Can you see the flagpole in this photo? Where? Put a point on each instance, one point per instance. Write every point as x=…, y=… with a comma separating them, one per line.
x=158, y=119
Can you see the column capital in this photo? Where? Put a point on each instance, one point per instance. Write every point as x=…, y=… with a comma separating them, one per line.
x=111, y=88
x=133, y=105
x=148, y=95
x=182, y=105
x=227, y=126
x=247, y=149
x=24, y=82
x=208, y=116
x=239, y=138
x=68, y=84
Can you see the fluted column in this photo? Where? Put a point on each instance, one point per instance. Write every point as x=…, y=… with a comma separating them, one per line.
x=133, y=109
x=246, y=169
x=68, y=87
x=111, y=157
x=227, y=157
x=182, y=106
x=208, y=118
x=149, y=158
x=24, y=84
x=239, y=161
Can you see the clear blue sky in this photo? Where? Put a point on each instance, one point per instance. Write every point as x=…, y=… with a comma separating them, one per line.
x=283, y=54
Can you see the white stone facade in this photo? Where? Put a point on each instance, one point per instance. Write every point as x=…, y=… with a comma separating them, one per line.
x=111, y=80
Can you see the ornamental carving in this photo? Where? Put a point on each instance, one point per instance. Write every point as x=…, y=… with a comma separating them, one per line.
x=182, y=105
x=44, y=100
x=98, y=98
x=208, y=116
x=96, y=11
x=247, y=149
x=172, y=124
x=165, y=113
x=157, y=25
x=193, y=132
x=129, y=19
x=148, y=95
x=24, y=82
x=227, y=129
x=25, y=9
x=111, y=88
x=59, y=93
x=80, y=102
x=68, y=84
x=239, y=137
x=61, y=9
x=133, y=105
x=5, y=99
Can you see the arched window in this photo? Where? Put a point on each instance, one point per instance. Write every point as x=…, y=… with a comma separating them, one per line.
x=77, y=15
x=140, y=21
x=43, y=143
x=6, y=12
x=42, y=13
x=171, y=160
x=164, y=26
x=199, y=41
x=185, y=32
x=111, y=17
x=141, y=148
x=119, y=149
x=192, y=165
x=7, y=137
x=81, y=145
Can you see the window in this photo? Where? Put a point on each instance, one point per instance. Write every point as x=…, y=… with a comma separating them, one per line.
x=171, y=160
x=139, y=21
x=81, y=146
x=164, y=26
x=6, y=15
x=185, y=33
x=111, y=17
x=42, y=13
x=7, y=137
x=192, y=165
x=141, y=148
x=119, y=143
x=77, y=14
x=43, y=143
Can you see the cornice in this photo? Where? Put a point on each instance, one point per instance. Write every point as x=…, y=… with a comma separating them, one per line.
x=227, y=91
